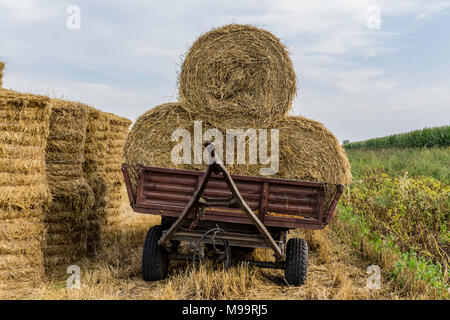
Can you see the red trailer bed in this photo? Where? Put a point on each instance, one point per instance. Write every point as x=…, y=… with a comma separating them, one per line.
x=241, y=212
x=277, y=202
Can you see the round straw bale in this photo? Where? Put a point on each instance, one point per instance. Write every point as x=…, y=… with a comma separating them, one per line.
x=307, y=150
x=121, y=123
x=238, y=69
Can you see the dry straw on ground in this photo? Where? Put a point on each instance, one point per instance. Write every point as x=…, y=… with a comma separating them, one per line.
x=308, y=151
x=72, y=197
x=238, y=69
x=24, y=125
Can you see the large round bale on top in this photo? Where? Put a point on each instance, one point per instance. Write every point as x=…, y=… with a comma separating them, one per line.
x=307, y=150
x=238, y=68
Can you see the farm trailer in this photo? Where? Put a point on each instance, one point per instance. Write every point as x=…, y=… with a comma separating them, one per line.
x=226, y=213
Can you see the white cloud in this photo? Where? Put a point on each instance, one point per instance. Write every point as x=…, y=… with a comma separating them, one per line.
x=26, y=10
x=126, y=56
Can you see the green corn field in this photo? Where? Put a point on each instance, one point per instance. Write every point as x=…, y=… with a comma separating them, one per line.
x=424, y=138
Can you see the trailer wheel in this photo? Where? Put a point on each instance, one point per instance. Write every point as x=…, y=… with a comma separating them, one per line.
x=154, y=257
x=296, y=266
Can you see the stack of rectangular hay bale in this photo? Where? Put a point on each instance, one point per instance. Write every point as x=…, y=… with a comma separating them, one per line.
x=116, y=136
x=60, y=181
x=95, y=159
x=72, y=197
x=24, y=127
x=105, y=136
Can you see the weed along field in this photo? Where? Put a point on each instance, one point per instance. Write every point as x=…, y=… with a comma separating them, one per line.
x=232, y=188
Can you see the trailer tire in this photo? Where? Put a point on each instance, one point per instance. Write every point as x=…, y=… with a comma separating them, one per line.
x=296, y=266
x=154, y=257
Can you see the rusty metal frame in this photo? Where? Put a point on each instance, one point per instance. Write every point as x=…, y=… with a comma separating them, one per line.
x=126, y=177
x=233, y=238
x=197, y=201
x=339, y=191
x=135, y=199
x=260, y=264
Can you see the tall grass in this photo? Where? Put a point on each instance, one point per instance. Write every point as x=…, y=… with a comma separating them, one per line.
x=427, y=137
x=412, y=212
x=398, y=207
x=428, y=162
x=414, y=276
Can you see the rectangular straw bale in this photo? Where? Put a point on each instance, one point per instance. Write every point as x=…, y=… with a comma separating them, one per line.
x=72, y=197
x=96, y=157
x=119, y=127
x=103, y=159
x=24, y=127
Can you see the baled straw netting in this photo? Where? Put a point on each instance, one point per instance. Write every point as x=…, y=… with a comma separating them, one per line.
x=72, y=197
x=237, y=70
x=24, y=126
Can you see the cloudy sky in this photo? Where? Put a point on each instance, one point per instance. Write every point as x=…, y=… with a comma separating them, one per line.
x=361, y=81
